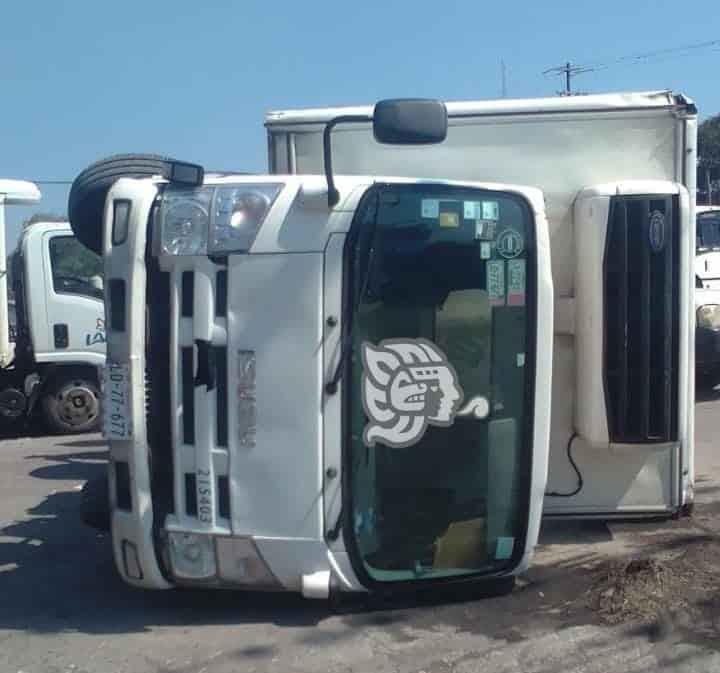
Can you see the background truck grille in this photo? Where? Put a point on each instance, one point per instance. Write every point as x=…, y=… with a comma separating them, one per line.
x=641, y=278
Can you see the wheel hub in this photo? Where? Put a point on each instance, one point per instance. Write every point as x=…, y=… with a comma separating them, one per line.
x=78, y=403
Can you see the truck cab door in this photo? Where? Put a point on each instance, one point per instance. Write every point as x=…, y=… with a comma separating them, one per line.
x=72, y=284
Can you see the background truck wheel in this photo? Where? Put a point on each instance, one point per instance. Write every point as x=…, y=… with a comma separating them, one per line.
x=86, y=202
x=72, y=406
x=95, y=503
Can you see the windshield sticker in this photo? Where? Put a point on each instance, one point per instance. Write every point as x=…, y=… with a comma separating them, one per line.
x=510, y=243
x=484, y=230
x=520, y=359
x=408, y=385
x=516, y=282
x=449, y=220
x=504, y=548
x=495, y=282
x=485, y=250
x=471, y=210
x=430, y=208
x=490, y=210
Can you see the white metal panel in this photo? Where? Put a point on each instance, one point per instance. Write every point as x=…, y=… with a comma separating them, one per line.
x=332, y=404
x=561, y=157
x=35, y=287
x=127, y=262
x=707, y=296
x=18, y=193
x=544, y=374
x=275, y=309
x=686, y=468
x=608, y=101
x=591, y=223
x=630, y=188
x=306, y=220
x=707, y=267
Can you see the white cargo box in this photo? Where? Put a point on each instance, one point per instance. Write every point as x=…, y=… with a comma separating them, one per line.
x=585, y=153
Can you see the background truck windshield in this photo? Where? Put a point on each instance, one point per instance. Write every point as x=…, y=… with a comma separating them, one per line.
x=445, y=274
x=708, y=230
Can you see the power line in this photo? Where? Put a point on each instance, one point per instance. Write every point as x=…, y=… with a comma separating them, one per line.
x=569, y=70
x=669, y=50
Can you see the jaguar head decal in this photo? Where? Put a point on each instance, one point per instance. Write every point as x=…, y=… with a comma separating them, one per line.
x=407, y=384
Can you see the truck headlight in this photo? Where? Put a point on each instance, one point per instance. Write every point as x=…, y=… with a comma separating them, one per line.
x=708, y=316
x=184, y=218
x=238, y=212
x=192, y=556
x=214, y=218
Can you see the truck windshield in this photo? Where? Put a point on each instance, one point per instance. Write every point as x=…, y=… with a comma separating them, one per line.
x=440, y=400
x=708, y=230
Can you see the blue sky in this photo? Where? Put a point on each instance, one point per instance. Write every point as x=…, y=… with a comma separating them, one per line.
x=84, y=79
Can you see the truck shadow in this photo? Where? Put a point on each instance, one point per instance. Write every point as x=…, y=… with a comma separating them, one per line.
x=57, y=575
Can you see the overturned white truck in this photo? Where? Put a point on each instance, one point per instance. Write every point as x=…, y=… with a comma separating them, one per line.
x=325, y=384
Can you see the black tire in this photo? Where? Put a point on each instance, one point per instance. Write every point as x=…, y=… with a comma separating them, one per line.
x=95, y=503
x=86, y=202
x=71, y=406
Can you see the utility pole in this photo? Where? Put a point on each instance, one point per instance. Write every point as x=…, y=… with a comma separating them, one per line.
x=568, y=70
x=504, y=79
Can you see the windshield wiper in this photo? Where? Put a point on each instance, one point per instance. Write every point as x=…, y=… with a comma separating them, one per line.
x=346, y=345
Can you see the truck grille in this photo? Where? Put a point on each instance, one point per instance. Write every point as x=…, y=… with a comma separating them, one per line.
x=157, y=383
x=190, y=456
x=641, y=285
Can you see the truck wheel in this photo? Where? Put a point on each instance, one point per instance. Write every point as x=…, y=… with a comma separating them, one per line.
x=72, y=406
x=95, y=503
x=86, y=202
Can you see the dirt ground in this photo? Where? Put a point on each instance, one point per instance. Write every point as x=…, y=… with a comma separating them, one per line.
x=618, y=598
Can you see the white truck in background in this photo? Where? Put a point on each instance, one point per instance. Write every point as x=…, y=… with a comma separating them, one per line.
x=54, y=342
x=707, y=295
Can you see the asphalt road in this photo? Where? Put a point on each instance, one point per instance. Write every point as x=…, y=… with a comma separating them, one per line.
x=63, y=609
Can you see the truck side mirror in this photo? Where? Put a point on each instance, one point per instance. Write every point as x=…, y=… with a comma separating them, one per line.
x=410, y=121
x=396, y=121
